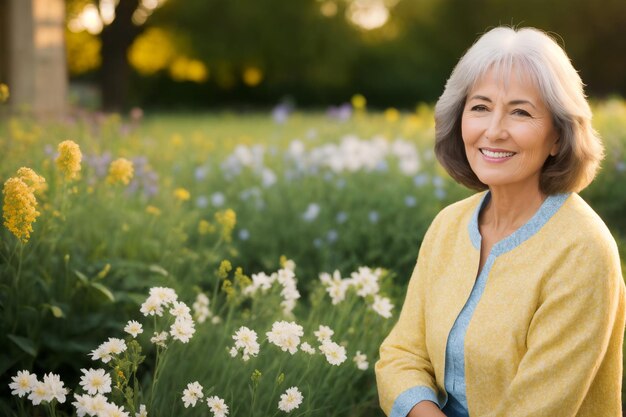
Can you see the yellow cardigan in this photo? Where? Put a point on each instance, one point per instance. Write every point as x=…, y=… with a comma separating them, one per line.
x=546, y=337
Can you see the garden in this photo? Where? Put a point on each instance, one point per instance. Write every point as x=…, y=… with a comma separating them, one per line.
x=221, y=263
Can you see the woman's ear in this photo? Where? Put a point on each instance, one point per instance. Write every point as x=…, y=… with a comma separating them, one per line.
x=555, y=147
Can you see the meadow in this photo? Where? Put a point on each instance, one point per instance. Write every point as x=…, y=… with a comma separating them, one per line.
x=220, y=263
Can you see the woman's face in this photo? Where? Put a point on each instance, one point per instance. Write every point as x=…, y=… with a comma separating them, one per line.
x=507, y=131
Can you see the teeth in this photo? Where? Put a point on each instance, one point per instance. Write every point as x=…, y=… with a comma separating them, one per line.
x=496, y=154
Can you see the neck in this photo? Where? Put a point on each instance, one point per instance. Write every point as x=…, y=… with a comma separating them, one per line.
x=508, y=210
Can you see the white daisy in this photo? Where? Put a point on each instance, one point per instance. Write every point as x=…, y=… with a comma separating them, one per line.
x=39, y=393
x=286, y=335
x=182, y=330
x=82, y=404
x=382, y=306
x=152, y=307
x=335, y=354
x=163, y=295
x=159, y=339
x=246, y=340
x=23, y=383
x=218, y=406
x=180, y=310
x=290, y=400
x=192, y=394
x=361, y=360
x=133, y=328
x=55, y=387
x=323, y=333
x=142, y=411
x=307, y=348
x=113, y=410
x=95, y=381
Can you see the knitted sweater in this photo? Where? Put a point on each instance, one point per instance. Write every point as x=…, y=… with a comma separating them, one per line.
x=545, y=338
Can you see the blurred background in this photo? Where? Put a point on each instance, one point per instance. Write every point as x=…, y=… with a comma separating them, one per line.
x=177, y=54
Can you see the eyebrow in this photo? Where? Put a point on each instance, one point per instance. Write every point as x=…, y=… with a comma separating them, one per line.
x=513, y=102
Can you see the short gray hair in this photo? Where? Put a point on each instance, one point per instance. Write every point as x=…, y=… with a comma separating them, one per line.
x=536, y=55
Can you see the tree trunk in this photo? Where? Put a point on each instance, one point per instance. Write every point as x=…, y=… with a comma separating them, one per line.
x=116, y=39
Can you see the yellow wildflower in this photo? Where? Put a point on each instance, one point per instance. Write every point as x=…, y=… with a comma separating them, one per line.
x=227, y=219
x=19, y=210
x=120, y=170
x=4, y=92
x=155, y=211
x=182, y=194
x=204, y=227
x=224, y=269
x=358, y=102
x=36, y=182
x=392, y=115
x=227, y=287
x=241, y=279
x=69, y=159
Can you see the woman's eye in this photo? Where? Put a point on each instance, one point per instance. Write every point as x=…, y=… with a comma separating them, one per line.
x=479, y=107
x=521, y=112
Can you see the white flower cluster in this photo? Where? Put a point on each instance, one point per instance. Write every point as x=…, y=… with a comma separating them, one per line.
x=350, y=154
x=160, y=298
x=364, y=281
x=286, y=277
x=246, y=341
x=95, y=382
x=106, y=350
x=334, y=352
x=194, y=392
x=201, y=311
x=48, y=390
x=286, y=335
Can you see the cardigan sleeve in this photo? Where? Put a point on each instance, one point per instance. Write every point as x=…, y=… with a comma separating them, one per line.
x=568, y=337
x=404, y=373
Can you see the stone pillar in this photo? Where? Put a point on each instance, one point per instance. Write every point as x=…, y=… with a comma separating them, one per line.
x=21, y=54
x=36, y=62
x=50, y=59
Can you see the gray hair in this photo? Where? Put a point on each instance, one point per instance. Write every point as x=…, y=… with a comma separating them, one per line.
x=531, y=53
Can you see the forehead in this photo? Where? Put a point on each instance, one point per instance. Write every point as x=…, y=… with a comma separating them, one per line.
x=513, y=78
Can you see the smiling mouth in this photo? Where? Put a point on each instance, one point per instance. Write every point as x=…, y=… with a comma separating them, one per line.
x=492, y=154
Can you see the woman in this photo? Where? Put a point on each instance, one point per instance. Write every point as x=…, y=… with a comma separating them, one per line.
x=516, y=306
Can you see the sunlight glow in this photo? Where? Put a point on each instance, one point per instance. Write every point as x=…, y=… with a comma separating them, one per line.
x=368, y=14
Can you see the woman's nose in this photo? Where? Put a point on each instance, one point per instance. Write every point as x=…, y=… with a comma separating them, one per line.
x=496, y=128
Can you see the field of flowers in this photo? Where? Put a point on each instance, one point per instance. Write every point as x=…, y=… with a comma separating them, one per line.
x=220, y=264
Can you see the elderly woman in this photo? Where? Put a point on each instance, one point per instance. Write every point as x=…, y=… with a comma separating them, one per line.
x=516, y=306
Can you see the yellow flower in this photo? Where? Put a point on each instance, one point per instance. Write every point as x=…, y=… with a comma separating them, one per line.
x=69, y=158
x=182, y=194
x=4, y=92
x=358, y=102
x=252, y=76
x=204, y=227
x=392, y=115
x=19, y=210
x=36, y=182
x=120, y=170
x=227, y=219
x=155, y=211
x=224, y=269
x=241, y=279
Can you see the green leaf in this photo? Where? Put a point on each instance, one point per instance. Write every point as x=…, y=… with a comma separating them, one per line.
x=82, y=277
x=158, y=269
x=25, y=344
x=103, y=290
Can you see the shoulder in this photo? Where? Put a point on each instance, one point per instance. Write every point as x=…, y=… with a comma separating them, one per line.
x=581, y=227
